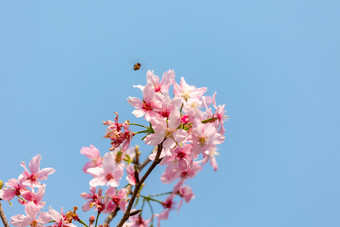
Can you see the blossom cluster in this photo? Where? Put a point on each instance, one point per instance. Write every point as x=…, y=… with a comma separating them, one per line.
x=183, y=126
x=30, y=191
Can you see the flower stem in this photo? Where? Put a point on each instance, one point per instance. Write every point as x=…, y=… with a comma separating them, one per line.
x=138, y=125
x=151, y=212
x=165, y=193
x=97, y=219
x=144, y=131
x=148, y=198
x=80, y=221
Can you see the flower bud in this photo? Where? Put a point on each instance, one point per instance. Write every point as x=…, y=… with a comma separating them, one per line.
x=92, y=219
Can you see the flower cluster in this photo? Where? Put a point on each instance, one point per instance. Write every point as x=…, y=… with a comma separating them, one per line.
x=183, y=127
x=30, y=191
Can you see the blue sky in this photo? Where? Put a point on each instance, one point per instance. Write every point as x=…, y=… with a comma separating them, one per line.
x=65, y=66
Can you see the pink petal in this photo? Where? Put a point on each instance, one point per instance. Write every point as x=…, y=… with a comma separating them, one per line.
x=20, y=220
x=180, y=135
x=42, y=174
x=148, y=93
x=55, y=215
x=35, y=164
x=7, y=194
x=12, y=183
x=85, y=195
x=108, y=163
x=40, y=194
x=98, y=181
x=31, y=210
x=91, y=152
x=138, y=113
x=97, y=171
x=44, y=218
x=154, y=139
x=86, y=206
x=135, y=102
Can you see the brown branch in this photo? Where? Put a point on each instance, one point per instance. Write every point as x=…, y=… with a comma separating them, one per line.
x=138, y=185
x=3, y=217
x=109, y=218
x=141, y=166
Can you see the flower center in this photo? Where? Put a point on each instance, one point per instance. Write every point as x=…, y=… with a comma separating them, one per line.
x=186, y=95
x=34, y=223
x=33, y=177
x=146, y=106
x=109, y=177
x=168, y=132
x=181, y=155
x=157, y=87
x=115, y=200
x=202, y=140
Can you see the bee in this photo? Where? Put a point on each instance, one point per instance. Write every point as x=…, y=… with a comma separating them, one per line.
x=137, y=66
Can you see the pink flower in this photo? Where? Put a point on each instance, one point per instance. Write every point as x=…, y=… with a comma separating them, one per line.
x=137, y=221
x=168, y=205
x=167, y=131
x=118, y=198
x=34, y=197
x=204, y=138
x=31, y=179
x=109, y=174
x=184, y=192
x=130, y=170
x=117, y=136
x=181, y=156
x=169, y=105
x=164, y=85
x=94, y=200
x=30, y=220
x=172, y=172
x=188, y=92
x=150, y=104
x=14, y=187
x=60, y=219
x=212, y=159
x=94, y=155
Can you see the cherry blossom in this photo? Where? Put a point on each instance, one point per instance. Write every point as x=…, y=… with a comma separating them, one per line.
x=60, y=219
x=31, y=179
x=94, y=155
x=14, y=188
x=137, y=221
x=110, y=174
x=118, y=198
x=31, y=219
x=150, y=104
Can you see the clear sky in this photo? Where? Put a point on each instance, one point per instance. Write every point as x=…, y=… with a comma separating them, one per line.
x=65, y=66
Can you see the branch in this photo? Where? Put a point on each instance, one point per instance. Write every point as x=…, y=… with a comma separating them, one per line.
x=3, y=217
x=111, y=216
x=138, y=185
x=146, y=161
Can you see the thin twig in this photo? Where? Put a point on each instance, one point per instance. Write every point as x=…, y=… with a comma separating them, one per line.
x=109, y=218
x=3, y=216
x=146, y=161
x=135, y=192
